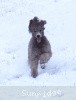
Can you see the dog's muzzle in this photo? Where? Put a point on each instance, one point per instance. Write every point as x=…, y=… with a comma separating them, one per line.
x=38, y=36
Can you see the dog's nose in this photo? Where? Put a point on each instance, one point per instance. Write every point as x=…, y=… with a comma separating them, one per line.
x=38, y=36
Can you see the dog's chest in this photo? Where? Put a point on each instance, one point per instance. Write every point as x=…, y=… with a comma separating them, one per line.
x=38, y=48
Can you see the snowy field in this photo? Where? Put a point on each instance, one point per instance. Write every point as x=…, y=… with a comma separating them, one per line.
x=14, y=38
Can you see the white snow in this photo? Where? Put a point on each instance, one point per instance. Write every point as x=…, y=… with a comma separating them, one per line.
x=14, y=38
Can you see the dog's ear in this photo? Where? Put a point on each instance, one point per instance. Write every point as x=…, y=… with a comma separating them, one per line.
x=30, y=24
x=33, y=21
x=43, y=22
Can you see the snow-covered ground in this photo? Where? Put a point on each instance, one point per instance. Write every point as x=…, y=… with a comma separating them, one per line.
x=14, y=37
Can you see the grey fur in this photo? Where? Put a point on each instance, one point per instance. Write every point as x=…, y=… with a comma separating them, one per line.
x=39, y=48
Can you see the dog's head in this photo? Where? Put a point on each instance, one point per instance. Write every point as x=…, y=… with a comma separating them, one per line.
x=36, y=27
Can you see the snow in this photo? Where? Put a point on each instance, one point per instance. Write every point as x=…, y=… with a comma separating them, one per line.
x=14, y=38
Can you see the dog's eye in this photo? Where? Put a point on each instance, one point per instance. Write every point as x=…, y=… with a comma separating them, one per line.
x=35, y=31
x=40, y=30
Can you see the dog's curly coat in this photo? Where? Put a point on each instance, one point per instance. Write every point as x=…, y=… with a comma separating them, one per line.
x=39, y=49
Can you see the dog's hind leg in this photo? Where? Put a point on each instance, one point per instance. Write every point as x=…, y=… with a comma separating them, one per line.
x=44, y=59
x=34, y=68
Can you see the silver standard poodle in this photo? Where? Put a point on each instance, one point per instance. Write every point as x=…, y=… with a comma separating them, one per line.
x=39, y=48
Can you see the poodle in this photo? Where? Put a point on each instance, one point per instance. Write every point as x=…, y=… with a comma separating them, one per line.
x=39, y=48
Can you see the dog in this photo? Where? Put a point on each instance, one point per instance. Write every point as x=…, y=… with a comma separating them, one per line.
x=39, y=48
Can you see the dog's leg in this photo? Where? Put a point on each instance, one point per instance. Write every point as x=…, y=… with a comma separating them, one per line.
x=34, y=68
x=44, y=59
x=43, y=66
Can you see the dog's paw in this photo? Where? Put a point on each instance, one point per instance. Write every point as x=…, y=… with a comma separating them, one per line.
x=43, y=66
x=34, y=75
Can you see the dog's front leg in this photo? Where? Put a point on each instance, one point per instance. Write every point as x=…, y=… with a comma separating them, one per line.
x=44, y=59
x=34, y=68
